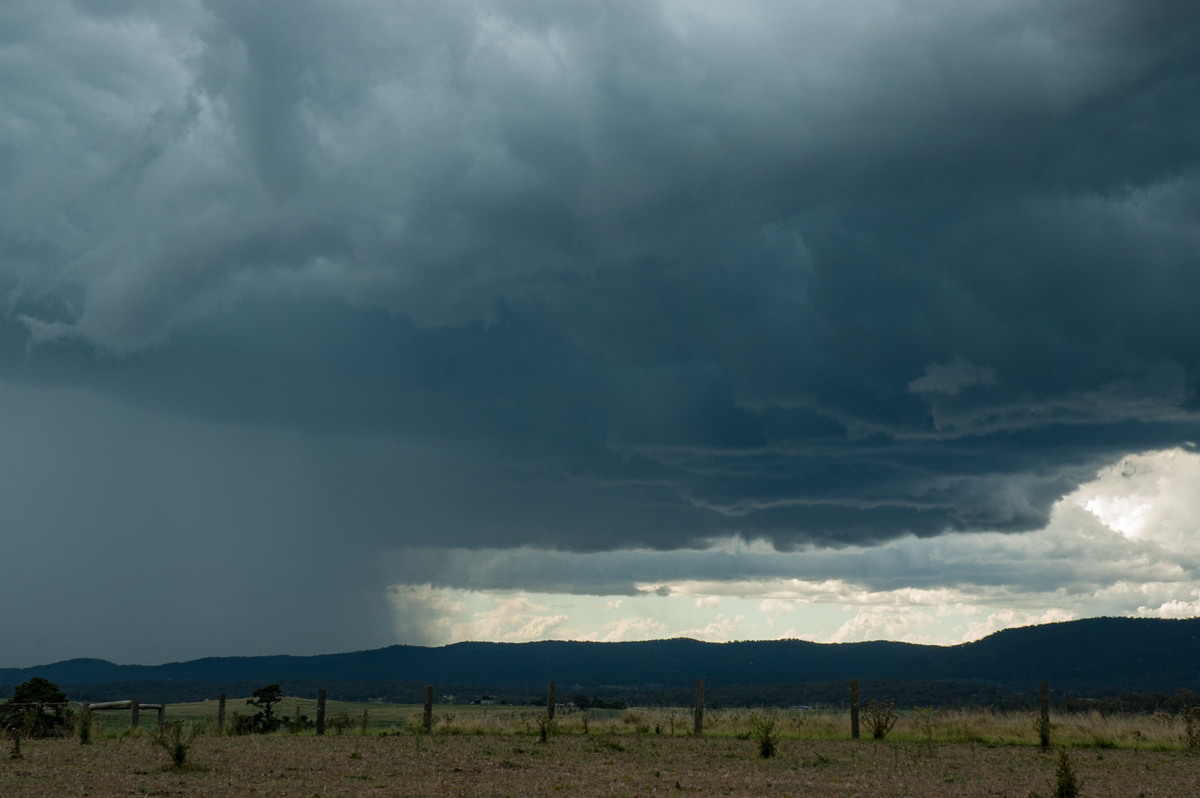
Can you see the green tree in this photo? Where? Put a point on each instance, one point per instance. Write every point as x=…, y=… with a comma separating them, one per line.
x=264, y=700
x=37, y=708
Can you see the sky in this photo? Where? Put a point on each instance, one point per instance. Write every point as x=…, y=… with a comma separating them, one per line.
x=327, y=325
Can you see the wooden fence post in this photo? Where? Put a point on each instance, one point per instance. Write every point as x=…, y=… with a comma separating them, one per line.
x=854, y=709
x=133, y=714
x=221, y=714
x=162, y=718
x=550, y=700
x=1044, y=718
x=698, y=717
x=320, y=712
x=428, y=717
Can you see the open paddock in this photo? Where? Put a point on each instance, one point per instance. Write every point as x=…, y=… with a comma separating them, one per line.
x=981, y=725
x=606, y=763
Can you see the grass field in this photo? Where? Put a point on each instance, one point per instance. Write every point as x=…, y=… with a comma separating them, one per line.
x=496, y=751
x=604, y=764
x=978, y=726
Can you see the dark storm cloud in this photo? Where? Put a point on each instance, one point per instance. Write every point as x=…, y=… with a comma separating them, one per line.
x=643, y=273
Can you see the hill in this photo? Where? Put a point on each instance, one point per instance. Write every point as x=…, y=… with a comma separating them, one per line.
x=1093, y=655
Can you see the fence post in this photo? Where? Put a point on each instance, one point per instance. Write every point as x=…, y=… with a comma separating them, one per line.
x=550, y=700
x=162, y=718
x=1044, y=719
x=698, y=717
x=320, y=712
x=221, y=714
x=428, y=717
x=854, y=709
x=133, y=714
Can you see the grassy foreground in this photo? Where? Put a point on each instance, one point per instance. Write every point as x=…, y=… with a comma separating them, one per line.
x=583, y=765
x=497, y=751
x=1159, y=732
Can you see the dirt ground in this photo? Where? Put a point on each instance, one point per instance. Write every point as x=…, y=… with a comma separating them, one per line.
x=593, y=765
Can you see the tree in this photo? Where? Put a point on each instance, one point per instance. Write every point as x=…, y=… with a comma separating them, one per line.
x=265, y=699
x=37, y=709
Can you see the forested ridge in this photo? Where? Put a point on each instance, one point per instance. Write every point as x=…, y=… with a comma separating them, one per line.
x=1092, y=656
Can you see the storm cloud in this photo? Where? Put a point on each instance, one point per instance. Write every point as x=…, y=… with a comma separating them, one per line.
x=378, y=278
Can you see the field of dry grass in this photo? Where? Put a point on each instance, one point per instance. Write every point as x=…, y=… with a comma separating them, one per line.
x=583, y=765
x=496, y=751
x=966, y=725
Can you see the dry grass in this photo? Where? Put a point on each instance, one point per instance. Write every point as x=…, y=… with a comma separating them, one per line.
x=494, y=751
x=585, y=765
x=981, y=726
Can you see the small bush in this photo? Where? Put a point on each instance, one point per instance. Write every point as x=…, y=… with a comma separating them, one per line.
x=1191, y=726
x=84, y=727
x=340, y=723
x=924, y=721
x=38, y=708
x=881, y=717
x=1066, y=784
x=176, y=739
x=298, y=724
x=545, y=725
x=763, y=730
x=240, y=724
x=1042, y=726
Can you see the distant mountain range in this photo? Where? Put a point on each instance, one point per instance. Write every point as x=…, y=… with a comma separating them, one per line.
x=1093, y=655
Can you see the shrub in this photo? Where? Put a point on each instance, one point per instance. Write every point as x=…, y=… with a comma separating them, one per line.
x=84, y=726
x=298, y=724
x=925, y=721
x=881, y=717
x=340, y=723
x=1191, y=726
x=240, y=724
x=176, y=739
x=545, y=725
x=37, y=709
x=763, y=730
x=1041, y=725
x=1066, y=785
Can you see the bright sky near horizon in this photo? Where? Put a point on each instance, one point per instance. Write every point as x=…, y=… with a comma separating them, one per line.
x=331, y=325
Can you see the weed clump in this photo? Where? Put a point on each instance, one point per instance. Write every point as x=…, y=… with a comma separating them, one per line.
x=176, y=739
x=763, y=730
x=1191, y=726
x=881, y=717
x=545, y=725
x=340, y=723
x=924, y=720
x=84, y=727
x=1066, y=784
